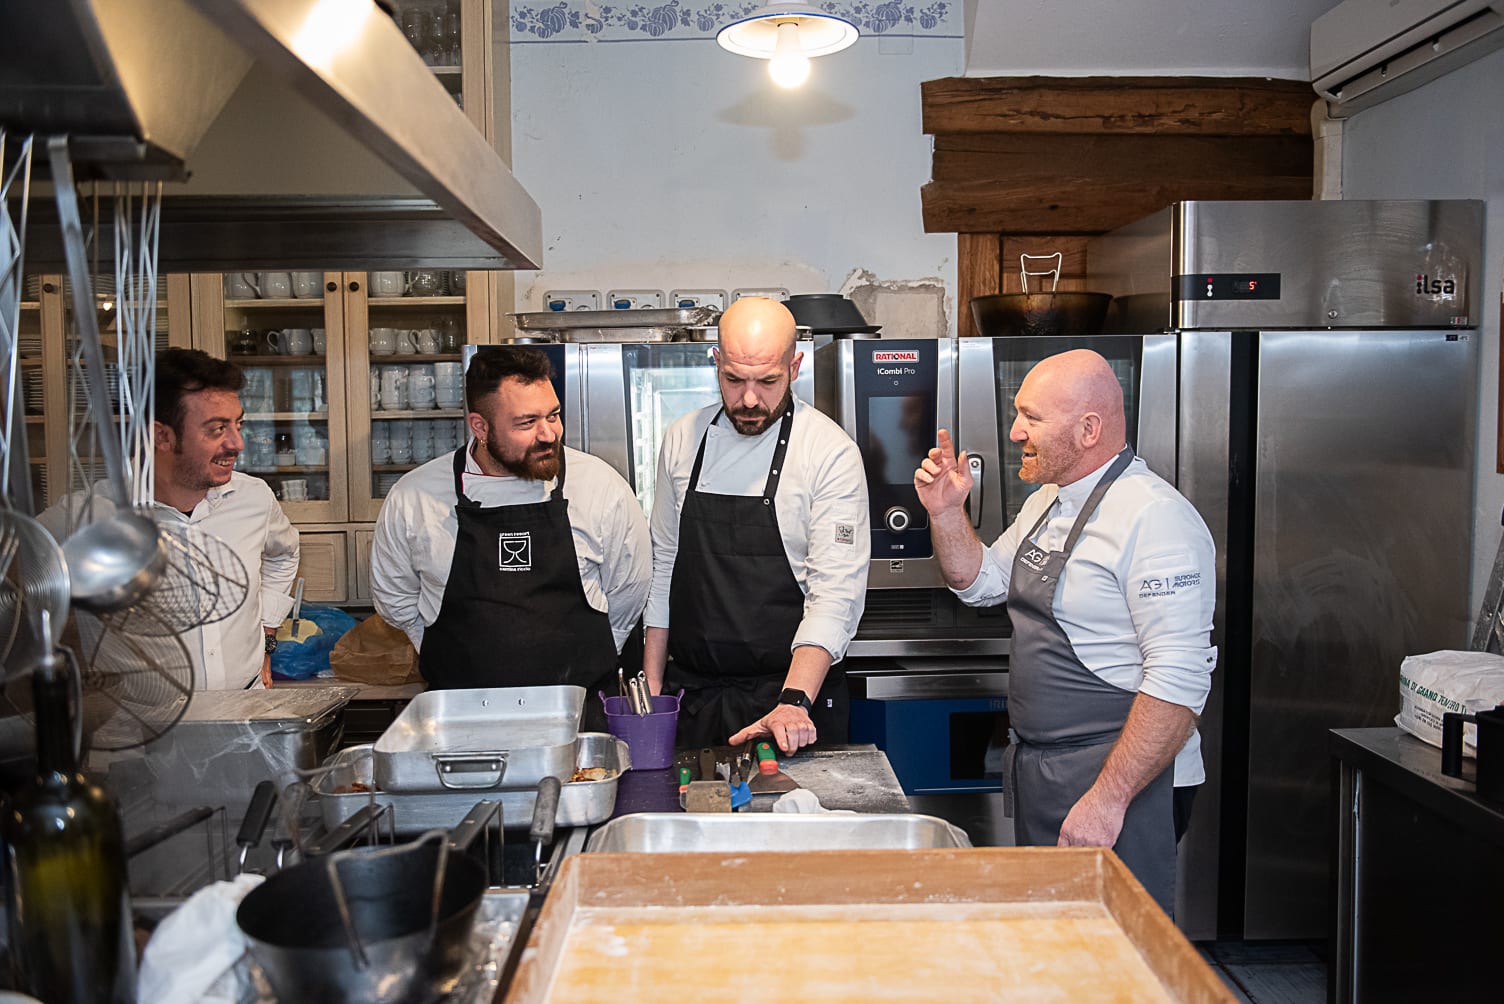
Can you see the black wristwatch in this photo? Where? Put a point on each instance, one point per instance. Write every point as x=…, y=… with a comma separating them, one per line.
x=799, y=697
x=271, y=644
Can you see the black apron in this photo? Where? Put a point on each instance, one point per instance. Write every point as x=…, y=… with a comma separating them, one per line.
x=1067, y=718
x=514, y=612
x=734, y=607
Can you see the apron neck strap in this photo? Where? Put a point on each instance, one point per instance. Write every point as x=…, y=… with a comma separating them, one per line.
x=1092, y=501
x=775, y=469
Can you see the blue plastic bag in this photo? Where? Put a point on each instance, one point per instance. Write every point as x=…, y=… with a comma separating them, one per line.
x=310, y=657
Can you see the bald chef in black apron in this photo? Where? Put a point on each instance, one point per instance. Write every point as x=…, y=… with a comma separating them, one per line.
x=514, y=561
x=760, y=551
x=1109, y=578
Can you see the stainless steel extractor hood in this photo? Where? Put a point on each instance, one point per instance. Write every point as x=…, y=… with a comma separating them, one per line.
x=288, y=133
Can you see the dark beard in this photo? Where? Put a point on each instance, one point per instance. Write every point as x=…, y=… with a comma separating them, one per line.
x=756, y=421
x=535, y=465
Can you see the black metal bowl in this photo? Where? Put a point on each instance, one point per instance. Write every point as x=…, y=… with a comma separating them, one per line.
x=826, y=312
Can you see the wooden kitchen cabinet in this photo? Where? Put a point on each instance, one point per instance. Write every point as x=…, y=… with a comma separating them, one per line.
x=46, y=345
x=324, y=567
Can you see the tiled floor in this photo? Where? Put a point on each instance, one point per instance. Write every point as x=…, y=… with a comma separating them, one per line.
x=1269, y=972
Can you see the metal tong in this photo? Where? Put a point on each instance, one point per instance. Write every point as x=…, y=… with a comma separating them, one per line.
x=639, y=697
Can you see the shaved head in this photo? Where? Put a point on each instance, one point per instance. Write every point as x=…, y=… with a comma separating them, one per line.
x=1070, y=417
x=756, y=363
x=757, y=330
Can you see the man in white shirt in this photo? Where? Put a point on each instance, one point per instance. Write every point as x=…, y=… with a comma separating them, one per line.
x=760, y=550
x=514, y=561
x=1110, y=580
x=197, y=441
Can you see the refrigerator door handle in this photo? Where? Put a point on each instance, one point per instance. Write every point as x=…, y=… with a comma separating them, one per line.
x=974, y=499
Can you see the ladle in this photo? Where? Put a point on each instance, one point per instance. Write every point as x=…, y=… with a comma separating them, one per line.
x=115, y=561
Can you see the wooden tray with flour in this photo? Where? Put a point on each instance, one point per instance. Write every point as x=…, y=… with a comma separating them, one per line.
x=1001, y=923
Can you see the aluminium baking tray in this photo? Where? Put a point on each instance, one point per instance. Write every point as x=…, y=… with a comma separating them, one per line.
x=581, y=803
x=737, y=832
x=486, y=739
x=671, y=317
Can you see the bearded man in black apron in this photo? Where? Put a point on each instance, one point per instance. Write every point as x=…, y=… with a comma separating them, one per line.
x=515, y=561
x=760, y=551
x=1109, y=578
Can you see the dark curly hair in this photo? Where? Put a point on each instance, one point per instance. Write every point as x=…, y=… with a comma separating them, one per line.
x=188, y=371
x=494, y=363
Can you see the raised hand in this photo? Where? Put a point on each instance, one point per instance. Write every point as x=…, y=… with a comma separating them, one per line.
x=943, y=480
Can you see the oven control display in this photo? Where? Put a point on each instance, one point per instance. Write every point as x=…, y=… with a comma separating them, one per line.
x=895, y=428
x=1228, y=286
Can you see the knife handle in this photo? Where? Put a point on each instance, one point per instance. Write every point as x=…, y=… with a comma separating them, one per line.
x=767, y=760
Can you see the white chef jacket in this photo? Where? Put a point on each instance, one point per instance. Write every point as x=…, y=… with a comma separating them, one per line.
x=245, y=514
x=413, y=547
x=1136, y=597
x=821, y=507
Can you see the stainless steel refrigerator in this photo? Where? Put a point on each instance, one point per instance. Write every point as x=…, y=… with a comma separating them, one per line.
x=1327, y=371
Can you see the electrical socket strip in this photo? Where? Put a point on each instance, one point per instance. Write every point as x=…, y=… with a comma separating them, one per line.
x=572, y=299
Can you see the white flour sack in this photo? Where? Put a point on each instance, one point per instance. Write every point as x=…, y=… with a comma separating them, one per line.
x=1438, y=682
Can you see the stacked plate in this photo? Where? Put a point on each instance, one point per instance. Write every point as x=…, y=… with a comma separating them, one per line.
x=31, y=380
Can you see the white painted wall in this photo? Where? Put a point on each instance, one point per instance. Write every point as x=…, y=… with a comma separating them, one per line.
x=666, y=162
x=1176, y=38
x=1446, y=141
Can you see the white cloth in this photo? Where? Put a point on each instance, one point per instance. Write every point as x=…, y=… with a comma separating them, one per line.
x=416, y=528
x=191, y=954
x=1137, y=594
x=228, y=654
x=821, y=506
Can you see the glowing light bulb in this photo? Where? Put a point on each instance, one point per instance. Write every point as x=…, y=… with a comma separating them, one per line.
x=789, y=66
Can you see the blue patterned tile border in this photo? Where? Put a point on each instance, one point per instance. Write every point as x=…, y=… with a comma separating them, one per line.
x=587, y=21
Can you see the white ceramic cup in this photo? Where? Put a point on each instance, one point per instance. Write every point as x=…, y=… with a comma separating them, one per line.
x=407, y=343
x=240, y=285
x=393, y=388
x=307, y=285
x=383, y=341
x=295, y=489
x=387, y=283
x=381, y=444
x=320, y=340
x=296, y=342
x=427, y=340
x=274, y=285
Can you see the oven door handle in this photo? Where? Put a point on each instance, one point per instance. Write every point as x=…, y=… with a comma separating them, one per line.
x=974, y=497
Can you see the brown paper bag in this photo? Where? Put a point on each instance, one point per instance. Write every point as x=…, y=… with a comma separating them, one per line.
x=374, y=652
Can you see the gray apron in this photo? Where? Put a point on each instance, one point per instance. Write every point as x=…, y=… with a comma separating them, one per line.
x=1066, y=719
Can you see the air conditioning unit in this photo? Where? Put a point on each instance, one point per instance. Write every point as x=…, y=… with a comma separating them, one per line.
x=1367, y=51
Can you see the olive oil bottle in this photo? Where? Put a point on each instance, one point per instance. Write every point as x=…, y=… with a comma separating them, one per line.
x=68, y=898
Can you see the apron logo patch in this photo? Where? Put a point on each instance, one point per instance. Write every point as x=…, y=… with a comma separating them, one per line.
x=515, y=551
x=1033, y=559
x=845, y=533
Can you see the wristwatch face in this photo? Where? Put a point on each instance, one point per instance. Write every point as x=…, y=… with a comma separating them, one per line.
x=792, y=696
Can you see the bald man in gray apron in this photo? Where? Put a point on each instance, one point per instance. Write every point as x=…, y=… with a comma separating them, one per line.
x=1109, y=579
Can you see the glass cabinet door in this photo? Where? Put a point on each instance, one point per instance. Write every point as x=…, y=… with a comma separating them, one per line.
x=405, y=377
x=285, y=330
x=32, y=338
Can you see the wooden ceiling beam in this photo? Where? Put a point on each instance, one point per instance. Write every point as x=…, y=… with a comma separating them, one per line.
x=1161, y=106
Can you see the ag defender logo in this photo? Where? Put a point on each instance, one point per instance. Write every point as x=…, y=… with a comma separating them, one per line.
x=896, y=356
x=1034, y=559
x=514, y=551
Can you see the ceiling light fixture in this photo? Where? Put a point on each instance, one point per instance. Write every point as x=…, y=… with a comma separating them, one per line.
x=787, y=35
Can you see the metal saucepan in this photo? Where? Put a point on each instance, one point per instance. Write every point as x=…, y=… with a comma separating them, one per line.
x=1054, y=313
x=387, y=926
